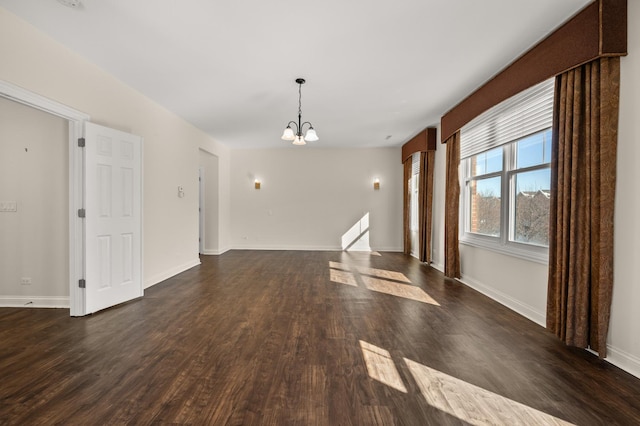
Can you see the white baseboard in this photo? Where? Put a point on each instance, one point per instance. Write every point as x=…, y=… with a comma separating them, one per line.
x=438, y=266
x=34, y=302
x=289, y=248
x=170, y=273
x=214, y=252
x=389, y=249
x=623, y=360
x=313, y=248
x=508, y=301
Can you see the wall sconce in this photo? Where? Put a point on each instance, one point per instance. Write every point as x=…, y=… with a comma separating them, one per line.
x=376, y=184
x=256, y=184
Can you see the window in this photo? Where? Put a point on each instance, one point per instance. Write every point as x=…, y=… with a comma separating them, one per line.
x=532, y=183
x=485, y=192
x=413, y=193
x=506, y=175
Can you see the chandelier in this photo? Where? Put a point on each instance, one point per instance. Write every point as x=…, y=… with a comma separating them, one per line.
x=297, y=138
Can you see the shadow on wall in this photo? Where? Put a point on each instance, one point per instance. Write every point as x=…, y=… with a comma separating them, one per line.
x=357, y=237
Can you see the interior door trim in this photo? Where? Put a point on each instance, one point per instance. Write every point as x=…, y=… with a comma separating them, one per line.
x=76, y=121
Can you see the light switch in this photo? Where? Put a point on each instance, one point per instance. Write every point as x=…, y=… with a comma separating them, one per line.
x=8, y=206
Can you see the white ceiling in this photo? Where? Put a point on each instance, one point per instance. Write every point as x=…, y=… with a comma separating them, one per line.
x=377, y=71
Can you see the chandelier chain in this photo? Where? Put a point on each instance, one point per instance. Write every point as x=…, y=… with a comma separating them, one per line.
x=300, y=99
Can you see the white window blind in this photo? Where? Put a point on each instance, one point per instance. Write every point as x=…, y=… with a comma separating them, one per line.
x=528, y=112
x=415, y=163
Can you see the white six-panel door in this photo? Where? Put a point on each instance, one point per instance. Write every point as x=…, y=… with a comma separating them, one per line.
x=113, y=223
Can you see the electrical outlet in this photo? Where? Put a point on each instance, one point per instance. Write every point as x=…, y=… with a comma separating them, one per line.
x=25, y=281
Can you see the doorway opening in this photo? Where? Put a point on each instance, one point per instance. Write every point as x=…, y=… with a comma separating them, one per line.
x=208, y=203
x=34, y=252
x=75, y=120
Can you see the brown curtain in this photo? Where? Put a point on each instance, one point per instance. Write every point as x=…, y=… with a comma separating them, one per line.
x=425, y=200
x=583, y=180
x=407, y=206
x=452, y=208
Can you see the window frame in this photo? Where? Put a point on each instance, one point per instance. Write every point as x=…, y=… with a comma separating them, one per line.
x=505, y=243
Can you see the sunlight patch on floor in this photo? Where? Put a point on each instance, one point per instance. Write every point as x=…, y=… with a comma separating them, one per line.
x=471, y=403
x=351, y=254
x=361, y=254
x=380, y=273
x=378, y=280
x=343, y=277
x=400, y=290
x=381, y=367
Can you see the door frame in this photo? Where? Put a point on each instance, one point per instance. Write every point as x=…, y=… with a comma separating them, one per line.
x=76, y=121
x=201, y=210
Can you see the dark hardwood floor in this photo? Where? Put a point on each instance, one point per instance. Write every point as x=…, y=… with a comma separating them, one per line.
x=284, y=338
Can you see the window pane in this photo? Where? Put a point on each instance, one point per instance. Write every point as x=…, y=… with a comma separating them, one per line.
x=534, y=150
x=413, y=188
x=487, y=162
x=484, y=217
x=532, y=207
x=547, y=146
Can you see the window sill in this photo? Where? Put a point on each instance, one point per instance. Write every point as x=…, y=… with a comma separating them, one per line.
x=521, y=251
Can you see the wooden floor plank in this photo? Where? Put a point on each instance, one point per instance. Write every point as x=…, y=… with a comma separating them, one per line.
x=284, y=338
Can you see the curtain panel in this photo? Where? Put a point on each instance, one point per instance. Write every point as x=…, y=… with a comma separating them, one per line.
x=427, y=162
x=583, y=180
x=452, y=208
x=407, y=206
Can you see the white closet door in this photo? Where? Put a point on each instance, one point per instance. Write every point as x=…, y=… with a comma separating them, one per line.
x=113, y=223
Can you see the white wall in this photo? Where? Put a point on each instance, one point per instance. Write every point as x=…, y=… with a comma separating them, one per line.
x=522, y=285
x=35, y=239
x=309, y=198
x=624, y=332
x=517, y=283
x=34, y=61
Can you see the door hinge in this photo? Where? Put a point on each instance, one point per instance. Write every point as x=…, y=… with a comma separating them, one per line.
x=82, y=213
x=81, y=142
x=82, y=283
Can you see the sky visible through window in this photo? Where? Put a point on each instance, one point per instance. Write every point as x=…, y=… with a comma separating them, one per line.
x=531, y=151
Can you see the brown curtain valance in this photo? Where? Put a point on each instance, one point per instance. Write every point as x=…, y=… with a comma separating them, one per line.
x=424, y=141
x=599, y=30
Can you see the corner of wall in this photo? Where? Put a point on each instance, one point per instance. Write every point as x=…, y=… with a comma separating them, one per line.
x=156, y=279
